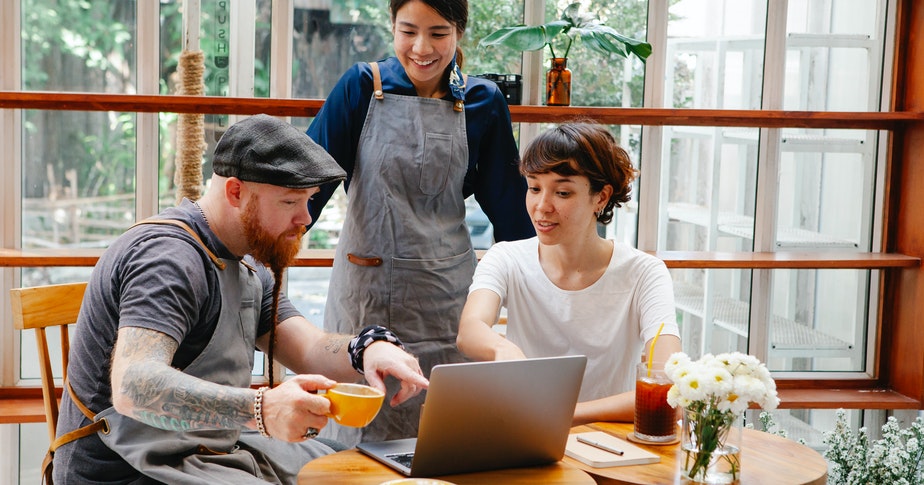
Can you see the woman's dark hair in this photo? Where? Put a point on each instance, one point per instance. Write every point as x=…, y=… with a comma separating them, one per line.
x=455, y=11
x=584, y=149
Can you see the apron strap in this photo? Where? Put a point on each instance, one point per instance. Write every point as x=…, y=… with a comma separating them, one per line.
x=172, y=222
x=101, y=425
x=458, y=106
x=87, y=430
x=376, y=81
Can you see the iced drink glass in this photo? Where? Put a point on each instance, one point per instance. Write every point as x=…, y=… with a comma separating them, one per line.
x=655, y=420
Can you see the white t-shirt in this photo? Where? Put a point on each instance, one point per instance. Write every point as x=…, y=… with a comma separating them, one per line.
x=609, y=321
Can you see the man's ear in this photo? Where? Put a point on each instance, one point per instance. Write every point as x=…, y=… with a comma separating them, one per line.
x=234, y=191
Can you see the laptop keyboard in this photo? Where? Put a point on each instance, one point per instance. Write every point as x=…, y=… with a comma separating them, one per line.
x=402, y=458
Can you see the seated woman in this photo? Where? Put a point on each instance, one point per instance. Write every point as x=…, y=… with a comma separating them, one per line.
x=569, y=291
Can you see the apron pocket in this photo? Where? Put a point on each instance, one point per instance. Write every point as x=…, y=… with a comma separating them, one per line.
x=435, y=163
x=427, y=296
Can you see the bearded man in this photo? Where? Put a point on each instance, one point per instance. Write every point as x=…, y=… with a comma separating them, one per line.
x=159, y=377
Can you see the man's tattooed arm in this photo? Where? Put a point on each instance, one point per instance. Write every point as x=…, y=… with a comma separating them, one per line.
x=148, y=389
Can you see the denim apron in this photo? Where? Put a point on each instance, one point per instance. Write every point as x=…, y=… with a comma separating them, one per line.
x=212, y=456
x=404, y=258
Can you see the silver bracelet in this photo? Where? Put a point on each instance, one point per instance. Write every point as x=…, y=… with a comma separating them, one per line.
x=258, y=412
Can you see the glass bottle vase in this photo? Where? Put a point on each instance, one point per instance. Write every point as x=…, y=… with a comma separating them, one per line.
x=558, y=83
x=710, y=441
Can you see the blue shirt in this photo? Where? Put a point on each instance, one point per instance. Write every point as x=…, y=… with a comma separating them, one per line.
x=493, y=175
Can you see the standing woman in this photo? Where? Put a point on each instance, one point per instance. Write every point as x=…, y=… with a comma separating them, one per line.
x=569, y=291
x=416, y=137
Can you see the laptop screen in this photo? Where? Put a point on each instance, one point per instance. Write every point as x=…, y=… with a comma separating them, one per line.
x=490, y=415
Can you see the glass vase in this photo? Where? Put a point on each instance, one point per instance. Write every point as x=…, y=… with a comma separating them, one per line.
x=711, y=444
x=558, y=83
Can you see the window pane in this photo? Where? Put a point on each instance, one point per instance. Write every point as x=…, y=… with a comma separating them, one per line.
x=307, y=290
x=329, y=40
x=598, y=79
x=78, y=178
x=78, y=168
x=484, y=17
x=710, y=189
x=33, y=439
x=819, y=320
x=64, y=48
x=833, y=55
x=715, y=54
x=826, y=184
x=713, y=309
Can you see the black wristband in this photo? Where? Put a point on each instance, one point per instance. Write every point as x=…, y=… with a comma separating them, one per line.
x=370, y=334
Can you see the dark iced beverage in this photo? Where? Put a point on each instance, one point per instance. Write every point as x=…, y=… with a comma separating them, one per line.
x=655, y=420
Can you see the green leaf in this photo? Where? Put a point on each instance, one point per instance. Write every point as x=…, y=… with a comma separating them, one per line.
x=573, y=24
x=573, y=16
x=600, y=43
x=524, y=37
x=640, y=48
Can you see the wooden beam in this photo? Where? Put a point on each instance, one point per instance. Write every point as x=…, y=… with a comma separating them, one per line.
x=673, y=259
x=77, y=101
x=902, y=341
x=716, y=117
x=836, y=398
x=786, y=260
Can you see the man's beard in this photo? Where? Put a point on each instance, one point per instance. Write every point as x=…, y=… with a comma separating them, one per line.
x=277, y=252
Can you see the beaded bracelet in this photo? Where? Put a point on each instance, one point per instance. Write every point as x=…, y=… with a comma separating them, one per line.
x=369, y=335
x=258, y=412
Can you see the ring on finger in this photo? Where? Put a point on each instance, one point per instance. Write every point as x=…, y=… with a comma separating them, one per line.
x=310, y=433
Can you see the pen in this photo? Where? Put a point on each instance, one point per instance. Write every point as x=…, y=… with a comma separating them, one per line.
x=599, y=445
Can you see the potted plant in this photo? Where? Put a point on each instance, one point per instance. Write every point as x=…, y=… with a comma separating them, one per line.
x=562, y=33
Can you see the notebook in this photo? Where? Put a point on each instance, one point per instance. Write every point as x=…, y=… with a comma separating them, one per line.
x=489, y=415
x=598, y=458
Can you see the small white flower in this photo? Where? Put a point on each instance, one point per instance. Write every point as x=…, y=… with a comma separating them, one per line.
x=693, y=386
x=678, y=361
x=728, y=381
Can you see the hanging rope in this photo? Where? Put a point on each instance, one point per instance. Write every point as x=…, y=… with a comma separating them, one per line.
x=190, y=133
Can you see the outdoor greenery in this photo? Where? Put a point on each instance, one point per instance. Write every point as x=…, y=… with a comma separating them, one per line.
x=74, y=154
x=80, y=154
x=563, y=32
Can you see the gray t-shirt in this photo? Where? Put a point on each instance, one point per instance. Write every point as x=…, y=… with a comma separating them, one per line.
x=156, y=277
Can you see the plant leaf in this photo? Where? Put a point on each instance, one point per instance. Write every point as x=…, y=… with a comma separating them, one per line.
x=640, y=48
x=601, y=43
x=525, y=37
x=573, y=16
x=570, y=11
x=519, y=37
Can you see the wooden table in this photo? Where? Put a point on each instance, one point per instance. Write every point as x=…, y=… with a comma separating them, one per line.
x=353, y=468
x=766, y=459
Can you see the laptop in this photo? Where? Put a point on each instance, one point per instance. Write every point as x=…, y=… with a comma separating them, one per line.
x=489, y=415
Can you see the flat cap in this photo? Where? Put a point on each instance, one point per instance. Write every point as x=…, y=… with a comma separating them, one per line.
x=267, y=150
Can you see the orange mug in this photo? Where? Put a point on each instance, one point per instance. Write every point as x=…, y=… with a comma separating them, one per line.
x=354, y=405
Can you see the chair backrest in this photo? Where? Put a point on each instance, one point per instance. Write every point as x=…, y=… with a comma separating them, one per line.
x=40, y=307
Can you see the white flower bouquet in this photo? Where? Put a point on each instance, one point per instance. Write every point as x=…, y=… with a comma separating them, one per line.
x=714, y=391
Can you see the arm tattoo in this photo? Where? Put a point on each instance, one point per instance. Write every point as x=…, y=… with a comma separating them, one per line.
x=336, y=343
x=166, y=398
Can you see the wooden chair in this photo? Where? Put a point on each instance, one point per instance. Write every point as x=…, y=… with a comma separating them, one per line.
x=38, y=308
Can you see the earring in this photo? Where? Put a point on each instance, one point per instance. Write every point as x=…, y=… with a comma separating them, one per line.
x=597, y=214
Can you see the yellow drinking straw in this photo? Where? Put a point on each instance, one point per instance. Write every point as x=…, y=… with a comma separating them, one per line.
x=651, y=350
